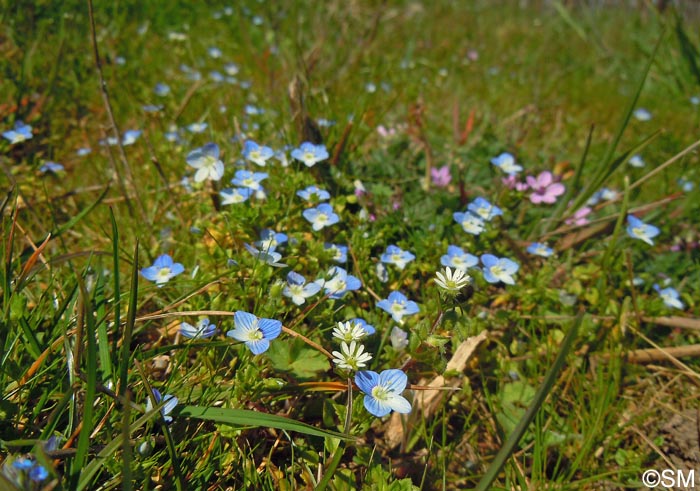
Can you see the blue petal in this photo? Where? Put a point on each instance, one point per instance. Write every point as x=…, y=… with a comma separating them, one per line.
x=394, y=380
x=270, y=328
x=375, y=407
x=244, y=320
x=366, y=380
x=258, y=346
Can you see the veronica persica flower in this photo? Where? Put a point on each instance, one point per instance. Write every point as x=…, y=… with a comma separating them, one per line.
x=298, y=290
x=383, y=391
x=321, y=216
x=351, y=356
x=398, y=306
x=642, y=114
x=20, y=133
x=24, y=472
x=204, y=329
x=670, y=296
x=269, y=239
x=197, y=127
x=506, y=162
x=471, y=223
x=340, y=282
x=398, y=338
x=257, y=154
x=339, y=253
x=397, y=256
x=170, y=402
x=637, y=229
x=368, y=328
x=458, y=259
x=314, y=194
x=539, y=249
x=499, y=269
x=483, y=209
x=636, y=161
x=234, y=196
x=310, y=154
x=255, y=332
x=52, y=167
x=162, y=270
x=248, y=179
x=161, y=89
x=544, y=189
x=206, y=161
x=130, y=136
x=268, y=257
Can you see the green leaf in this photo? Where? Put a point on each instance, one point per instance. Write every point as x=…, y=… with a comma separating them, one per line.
x=254, y=419
x=297, y=359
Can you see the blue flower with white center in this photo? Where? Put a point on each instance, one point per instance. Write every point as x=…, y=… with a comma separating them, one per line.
x=206, y=160
x=20, y=133
x=130, y=136
x=197, y=127
x=257, y=154
x=670, y=296
x=539, y=249
x=310, y=154
x=298, y=290
x=268, y=257
x=398, y=306
x=231, y=69
x=82, y=152
x=269, y=239
x=471, y=223
x=255, y=332
x=204, y=329
x=637, y=229
x=314, y=194
x=506, y=162
x=234, y=196
x=281, y=157
x=170, y=402
x=368, y=328
x=339, y=253
x=214, y=52
x=321, y=216
x=252, y=110
x=642, y=114
x=340, y=282
x=161, y=89
x=636, y=161
x=216, y=76
x=248, y=179
x=499, y=269
x=162, y=270
x=51, y=167
x=383, y=391
x=458, y=259
x=397, y=256
x=483, y=209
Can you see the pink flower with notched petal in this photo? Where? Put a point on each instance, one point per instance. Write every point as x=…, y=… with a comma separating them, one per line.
x=511, y=182
x=441, y=176
x=580, y=217
x=545, y=190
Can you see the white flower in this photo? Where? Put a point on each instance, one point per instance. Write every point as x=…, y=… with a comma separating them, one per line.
x=352, y=356
x=399, y=338
x=206, y=161
x=349, y=331
x=452, y=281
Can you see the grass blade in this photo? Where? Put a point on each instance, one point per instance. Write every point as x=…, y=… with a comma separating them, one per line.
x=129, y=328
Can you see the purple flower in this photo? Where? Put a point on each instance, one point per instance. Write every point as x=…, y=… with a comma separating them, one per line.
x=545, y=190
x=579, y=218
x=441, y=177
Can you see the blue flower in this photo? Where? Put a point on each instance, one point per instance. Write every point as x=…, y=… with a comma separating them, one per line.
x=268, y=257
x=670, y=296
x=204, y=329
x=257, y=154
x=499, y=269
x=314, y=194
x=82, y=152
x=20, y=133
x=206, y=161
x=214, y=52
x=298, y=290
x=339, y=252
x=255, y=332
x=471, y=223
x=130, y=136
x=368, y=328
x=231, y=69
x=642, y=114
x=321, y=216
x=269, y=239
x=398, y=306
x=397, y=256
x=161, y=89
x=310, y=154
x=383, y=391
x=170, y=402
x=636, y=161
x=162, y=270
x=539, y=249
x=197, y=127
x=51, y=167
x=506, y=162
x=637, y=229
x=483, y=209
x=23, y=468
x=340, y=282
x=249, y=179
x=234, y=196
x=458, y=259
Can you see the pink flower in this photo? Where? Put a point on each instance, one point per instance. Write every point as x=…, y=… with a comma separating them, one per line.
x=579, y=218
x=545, y=189
x=511, y=182
x=441, y=177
